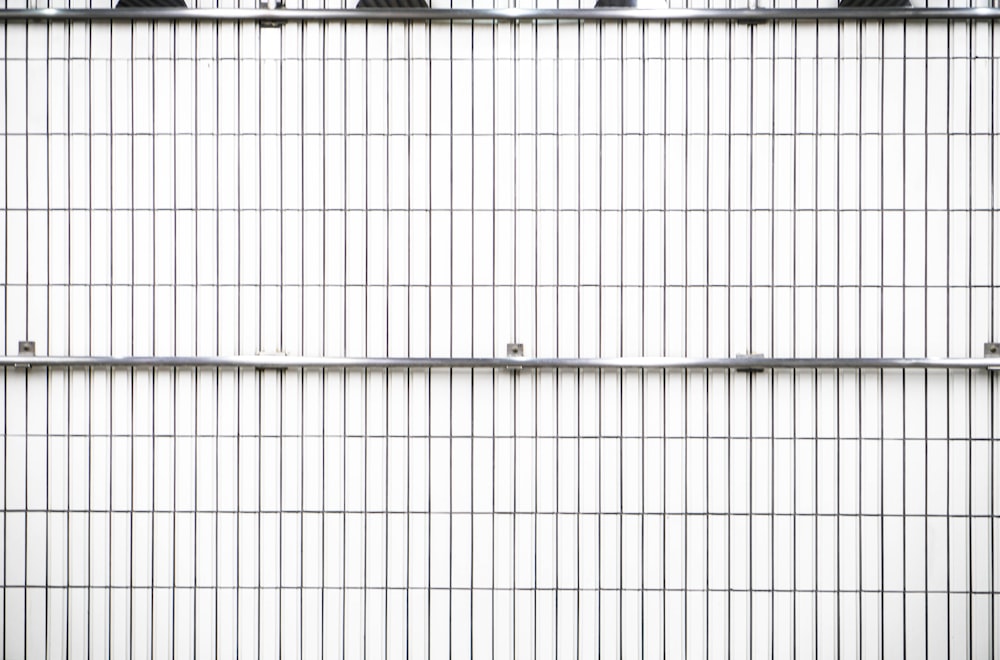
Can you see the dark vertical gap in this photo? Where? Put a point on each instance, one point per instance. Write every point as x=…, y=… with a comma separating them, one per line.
x=751, y=34
x=770, y=293
x=218, y=345
x=729, y=346
x=174, y=372
x=324, y=375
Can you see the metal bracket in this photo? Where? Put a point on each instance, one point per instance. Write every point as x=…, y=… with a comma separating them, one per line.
x=750, y=370
x=752, y=6
x=25, y=348
x=275, y=6
x=515, y=351
x=271, y=354
x=991, y=349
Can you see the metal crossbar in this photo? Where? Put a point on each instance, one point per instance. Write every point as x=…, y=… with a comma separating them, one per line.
x=306, y=362
x=666, y=15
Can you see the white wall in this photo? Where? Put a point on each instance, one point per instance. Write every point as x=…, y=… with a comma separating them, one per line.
x=587, y=189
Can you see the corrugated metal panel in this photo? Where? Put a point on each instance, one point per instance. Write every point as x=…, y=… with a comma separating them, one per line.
x=633, y=189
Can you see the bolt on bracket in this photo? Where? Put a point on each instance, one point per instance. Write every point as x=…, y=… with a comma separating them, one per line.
x=991, y=349
x=515, y=351
x=25, y=348
x=272, y=5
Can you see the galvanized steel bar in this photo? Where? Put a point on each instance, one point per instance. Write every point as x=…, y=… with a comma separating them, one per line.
x=505, y=14
x=300, y=362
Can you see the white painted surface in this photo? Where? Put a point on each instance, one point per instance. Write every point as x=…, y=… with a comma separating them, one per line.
x=442, y=190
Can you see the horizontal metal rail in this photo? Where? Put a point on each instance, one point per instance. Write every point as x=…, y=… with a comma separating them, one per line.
x=296, y=362
x=506, y=14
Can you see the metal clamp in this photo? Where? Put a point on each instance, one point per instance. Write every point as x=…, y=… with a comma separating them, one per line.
x=991, y=349
x=271, y=360
x=749, y=356
x=515, y=351
x=275, y=6
x=25, y=348
x=752, y=6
